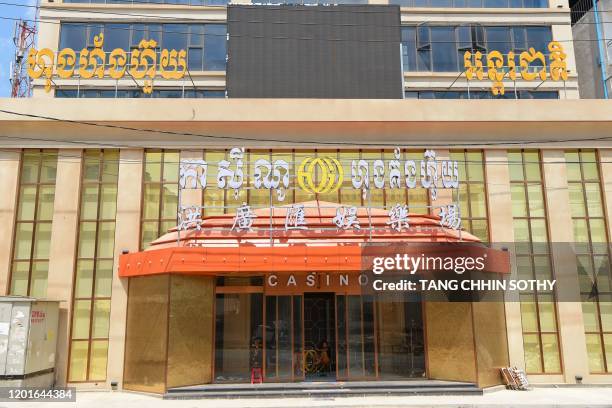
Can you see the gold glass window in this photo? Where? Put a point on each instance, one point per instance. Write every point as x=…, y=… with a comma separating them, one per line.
x=214, y=198
x=94, y=266
x=160, y=194
x=533, y=260
x=33, y=223
x=471, y=195
x=593, y=258
x=218, y=201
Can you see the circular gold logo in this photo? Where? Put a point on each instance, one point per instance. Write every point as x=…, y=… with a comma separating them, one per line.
x=328, y=169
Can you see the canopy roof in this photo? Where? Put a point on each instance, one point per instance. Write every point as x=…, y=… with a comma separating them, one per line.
x=269, y=225
x=217, y=247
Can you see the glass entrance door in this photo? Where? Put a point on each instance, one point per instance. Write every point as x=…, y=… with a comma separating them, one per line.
x=319, y=336
x=356, y=334
x=283, y=338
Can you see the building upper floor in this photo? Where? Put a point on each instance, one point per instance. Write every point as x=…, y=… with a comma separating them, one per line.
x=433, y=39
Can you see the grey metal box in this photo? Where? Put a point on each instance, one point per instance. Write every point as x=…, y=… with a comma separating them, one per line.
x=28, y=340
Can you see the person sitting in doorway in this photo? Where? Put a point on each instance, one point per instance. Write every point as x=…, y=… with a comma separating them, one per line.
x=324, y=359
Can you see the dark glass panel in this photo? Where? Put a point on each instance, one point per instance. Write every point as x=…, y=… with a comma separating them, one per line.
x=283, y=328
x=498, y=38
x=270, y=337
x=355, y=337
x=238, y=336
x=116, y=36
x=73, y=36
x=444, y=48
x=214, y=47
x=175, y=36
x=341, y=336
x=409, y=49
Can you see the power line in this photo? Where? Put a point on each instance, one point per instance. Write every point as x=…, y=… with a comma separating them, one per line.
x=271, y=152
x=291, y=142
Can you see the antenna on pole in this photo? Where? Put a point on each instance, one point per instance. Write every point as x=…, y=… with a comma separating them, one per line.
x=23, y=38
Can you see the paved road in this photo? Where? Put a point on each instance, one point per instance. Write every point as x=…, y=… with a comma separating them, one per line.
x=538, y=397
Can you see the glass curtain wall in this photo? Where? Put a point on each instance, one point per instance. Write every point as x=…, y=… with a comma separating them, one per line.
x=533, y=258
x=593, y=255
x=439, y=48
x=30, y=264
x=471, y=195
x=160, y=194
x=205, y=43
x=221, y=201
x=94, y=266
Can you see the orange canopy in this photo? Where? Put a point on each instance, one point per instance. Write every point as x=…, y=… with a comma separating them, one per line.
x=217, y=248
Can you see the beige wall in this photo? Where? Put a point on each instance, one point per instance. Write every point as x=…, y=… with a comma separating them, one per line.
x=9, y=174
x=501, y=228
x=62, y=253
x=127, y=238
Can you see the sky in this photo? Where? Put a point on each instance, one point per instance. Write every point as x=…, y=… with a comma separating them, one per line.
x=7, y=48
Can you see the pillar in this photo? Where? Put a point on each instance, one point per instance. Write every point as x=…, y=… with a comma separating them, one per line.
x=127, y=238
x=501, y=229
x=9, y=174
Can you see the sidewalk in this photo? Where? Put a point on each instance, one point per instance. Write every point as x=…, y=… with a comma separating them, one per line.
x=538, y=397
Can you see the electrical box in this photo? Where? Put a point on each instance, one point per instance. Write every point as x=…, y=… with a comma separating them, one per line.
x=28, y=341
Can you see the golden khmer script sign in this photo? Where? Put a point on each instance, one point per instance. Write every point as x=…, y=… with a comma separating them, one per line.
x=142, y=64
x=532, y=65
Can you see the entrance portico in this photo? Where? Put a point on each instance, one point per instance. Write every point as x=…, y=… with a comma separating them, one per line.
x=290, y=302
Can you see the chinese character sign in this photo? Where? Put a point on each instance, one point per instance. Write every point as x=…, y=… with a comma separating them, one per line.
x=322, y=175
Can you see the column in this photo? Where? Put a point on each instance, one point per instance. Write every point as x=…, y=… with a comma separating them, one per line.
x=127, y=238
x=569, y=314
x=63, y=249
x=48, y=36
x=9, y=174
x=449, y=357
x=501, y=229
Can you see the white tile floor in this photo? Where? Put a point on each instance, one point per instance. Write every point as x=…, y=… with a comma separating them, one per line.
x=538, y=397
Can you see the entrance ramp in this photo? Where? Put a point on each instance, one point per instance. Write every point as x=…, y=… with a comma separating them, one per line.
x=324, y=389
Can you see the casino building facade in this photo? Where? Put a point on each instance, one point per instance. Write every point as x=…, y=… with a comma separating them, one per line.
x=284, y=163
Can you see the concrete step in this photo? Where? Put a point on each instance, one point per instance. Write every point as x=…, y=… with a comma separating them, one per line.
x=323, y=389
